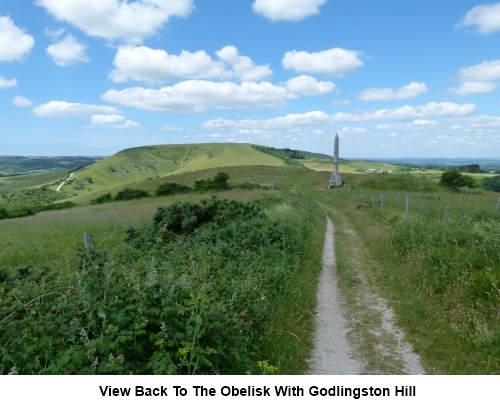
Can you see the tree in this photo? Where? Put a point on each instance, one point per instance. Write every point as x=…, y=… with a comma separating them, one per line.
x=454, y=179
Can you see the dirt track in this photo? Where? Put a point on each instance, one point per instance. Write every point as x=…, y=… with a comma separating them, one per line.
x=334, y=354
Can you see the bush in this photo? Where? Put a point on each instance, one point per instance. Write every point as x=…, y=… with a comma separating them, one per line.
x=199, y=302
x=172, y=189
x=3, y=213
x=491, y=183
x=131, y=194
x=454, y=179
x=217, y=183
x=102, y=199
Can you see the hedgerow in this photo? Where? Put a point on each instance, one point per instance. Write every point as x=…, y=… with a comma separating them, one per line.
x=194, y=294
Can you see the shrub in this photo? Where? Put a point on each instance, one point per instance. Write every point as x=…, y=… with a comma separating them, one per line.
x=102, y=199
x=172, y=189
x=131, y=194
x=217, y=183
x=454, y=179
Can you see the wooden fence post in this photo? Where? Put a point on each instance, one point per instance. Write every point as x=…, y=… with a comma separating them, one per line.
x=373, y=202
x=88, y=240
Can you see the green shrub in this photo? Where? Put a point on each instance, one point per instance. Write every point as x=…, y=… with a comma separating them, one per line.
x=131, y=194
x=202, y=301
x=217, y=183
x=172, y=189
x=102, y=199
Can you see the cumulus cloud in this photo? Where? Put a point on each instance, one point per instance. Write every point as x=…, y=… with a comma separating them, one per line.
x=485, y=71
x=4, y=83
x=68, y=51
x=130, y=21
x=112, y=121
x=473, y=88
x=310, y=118
x=14, y=42
x=335, y=61
x=407, y=112
x=242, y=66
x=309, y=86
x=200, y=95
x=417, y=115
x=22, y=102
x=64, y=109
x=409, y=91
x=156, y=65
x=485, y=18
x=287, y=10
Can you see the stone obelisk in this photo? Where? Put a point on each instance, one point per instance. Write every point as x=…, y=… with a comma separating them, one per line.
x=335, y=180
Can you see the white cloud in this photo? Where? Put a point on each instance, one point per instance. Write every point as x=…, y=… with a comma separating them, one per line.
x=310, y=118
x=335, y=61
x=483, y=72
x=68, y=51
x=22, y=102
x=409, y=91
x=112, y=121
x=172, y=128
x=4, y=83
x=63, y=109
x=288, y=10
x=243, y=66
x=309, y=86
x=407, y=112
x=485, y=17
x=417, y=125
x=130, y=21
x=14, y=42
x=156, y=65
x=200, y=95
x=472, y=88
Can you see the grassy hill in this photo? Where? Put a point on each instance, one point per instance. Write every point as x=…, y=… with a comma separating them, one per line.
x=148, y=162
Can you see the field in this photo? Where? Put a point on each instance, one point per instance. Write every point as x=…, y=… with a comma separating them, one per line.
x=433, y=253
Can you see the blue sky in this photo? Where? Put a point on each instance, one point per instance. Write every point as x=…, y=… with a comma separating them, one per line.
x=392, y=78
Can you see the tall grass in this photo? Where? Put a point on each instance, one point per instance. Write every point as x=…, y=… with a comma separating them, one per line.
x=216, y=286
x=443, y=278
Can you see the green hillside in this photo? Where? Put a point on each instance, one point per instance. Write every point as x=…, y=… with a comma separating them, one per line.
x=147, y=162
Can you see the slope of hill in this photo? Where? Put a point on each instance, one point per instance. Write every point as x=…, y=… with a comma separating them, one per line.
x=138, y=164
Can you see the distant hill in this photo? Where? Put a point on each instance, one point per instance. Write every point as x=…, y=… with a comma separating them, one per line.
x=141, y=163
x=21, y=165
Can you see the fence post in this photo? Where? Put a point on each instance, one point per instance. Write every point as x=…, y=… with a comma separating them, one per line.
x=462, y=199
x=373, y=202
x=446, y=217
x=382, y=202
x=407, y=207
x=88, y=240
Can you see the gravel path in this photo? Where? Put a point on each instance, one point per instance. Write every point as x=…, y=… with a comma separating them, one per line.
x=333, y=353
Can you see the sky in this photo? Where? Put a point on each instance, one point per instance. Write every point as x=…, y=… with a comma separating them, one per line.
x=394, y=79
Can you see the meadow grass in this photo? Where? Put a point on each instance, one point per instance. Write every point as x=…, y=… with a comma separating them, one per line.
x=441, y=280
